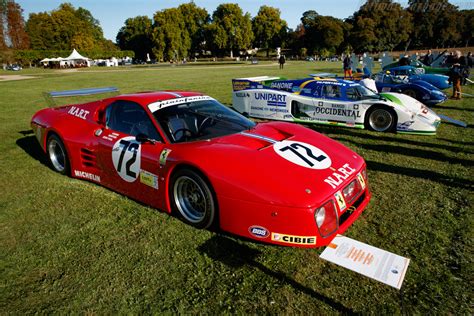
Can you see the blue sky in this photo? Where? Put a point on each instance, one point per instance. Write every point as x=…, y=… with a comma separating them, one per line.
x=113, y=13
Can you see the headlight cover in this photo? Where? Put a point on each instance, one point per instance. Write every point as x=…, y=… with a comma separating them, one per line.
x=326, y=219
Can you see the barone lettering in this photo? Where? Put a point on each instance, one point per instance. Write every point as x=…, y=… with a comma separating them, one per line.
x=86, y=175
x=298, y=240
x=282, y=85
x=270, y=97
x=337, y=178
x=80, y=113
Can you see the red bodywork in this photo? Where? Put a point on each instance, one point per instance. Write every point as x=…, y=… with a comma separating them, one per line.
x=259, y=194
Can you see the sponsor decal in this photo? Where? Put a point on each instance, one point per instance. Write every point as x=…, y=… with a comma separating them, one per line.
x=337, y=112
x=242, y=95
x=86, y=175
x=356, y=106
x=361, y=180
x=126, y=157
x=338, y=106
x=282, y=85
x=161, y=104
x=164, y=156
x=340, y=201
x=339, y=176
x=405, y=125
x=272, y=99
x=78, y=112
x=240, y=85
x=259, y=231
x=302, y=154
x=296, y=240
x=320, y=103
x=149, y=179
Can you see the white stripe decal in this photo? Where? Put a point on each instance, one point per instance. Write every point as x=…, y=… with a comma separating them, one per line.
x=267, y=139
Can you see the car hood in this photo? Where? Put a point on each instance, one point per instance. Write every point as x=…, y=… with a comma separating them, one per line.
x=265, y=165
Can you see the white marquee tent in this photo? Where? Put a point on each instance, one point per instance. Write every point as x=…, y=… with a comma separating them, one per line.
x=74, y=59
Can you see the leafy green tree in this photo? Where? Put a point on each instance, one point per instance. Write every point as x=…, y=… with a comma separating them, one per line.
x=170, y=38
x=437, y=23
x=322, y=34
x=380, y=25
x=230, y=29
x=268, y=28
x=136, y=35
x=65, y=28
x=3, y=11
x=195, y=21
x=467, y=33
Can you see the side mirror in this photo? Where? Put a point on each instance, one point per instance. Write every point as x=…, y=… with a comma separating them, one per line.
x=143, y=138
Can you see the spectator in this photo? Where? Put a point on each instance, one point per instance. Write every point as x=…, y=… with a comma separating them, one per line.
x=469, y=59
x=455, y=77
x=428, y=59
x=404, y=61
x=347, y=64
x=281, y=61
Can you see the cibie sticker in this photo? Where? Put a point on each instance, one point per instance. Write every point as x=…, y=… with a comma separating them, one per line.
x=302, y=154
x=126, y=156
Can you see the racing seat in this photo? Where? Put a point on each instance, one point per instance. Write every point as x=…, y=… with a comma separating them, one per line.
x=179, y=126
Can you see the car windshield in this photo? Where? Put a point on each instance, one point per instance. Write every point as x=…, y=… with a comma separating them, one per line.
x=199, y=120
x=359, y=92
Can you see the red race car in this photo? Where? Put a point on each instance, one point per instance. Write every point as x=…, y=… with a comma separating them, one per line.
x=184, y=152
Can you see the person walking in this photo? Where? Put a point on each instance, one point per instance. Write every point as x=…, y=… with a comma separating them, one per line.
x=347, y=64
x=281, y=61
x=455, y=77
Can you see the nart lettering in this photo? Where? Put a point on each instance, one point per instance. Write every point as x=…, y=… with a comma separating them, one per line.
x=337, y=178
x=80, y=113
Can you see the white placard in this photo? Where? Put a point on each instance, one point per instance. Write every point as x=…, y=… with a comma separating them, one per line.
x=367, y=260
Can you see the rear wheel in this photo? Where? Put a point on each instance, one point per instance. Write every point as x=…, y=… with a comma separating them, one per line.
x=192, y=198
x=57, y=154
x=380, y=119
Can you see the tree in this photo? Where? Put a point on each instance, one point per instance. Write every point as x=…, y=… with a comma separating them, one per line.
x=268, y=28
x=170, y=38
x=136, y=35
x=322, y=33
x=3, y=11
x=468, y=26
x=380, y=25
x=436, y=23
x=230, y=29
x=195, y=21
x=65, y=28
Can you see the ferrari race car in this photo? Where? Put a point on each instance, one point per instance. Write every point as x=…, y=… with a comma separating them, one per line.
x=415, y=74
x=184, y=152
x=332, y=101
x=417, y=89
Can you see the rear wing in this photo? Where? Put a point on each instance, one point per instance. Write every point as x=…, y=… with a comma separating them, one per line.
x=253, y=82
x=52, y=95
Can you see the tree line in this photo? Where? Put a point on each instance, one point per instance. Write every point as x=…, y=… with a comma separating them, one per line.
x=189, y=31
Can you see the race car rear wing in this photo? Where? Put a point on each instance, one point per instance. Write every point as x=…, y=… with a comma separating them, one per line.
x=50, y=96
x=253, y=82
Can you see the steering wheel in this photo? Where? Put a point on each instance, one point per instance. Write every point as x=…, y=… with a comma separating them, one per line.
x=186, y=133
x=208, y=120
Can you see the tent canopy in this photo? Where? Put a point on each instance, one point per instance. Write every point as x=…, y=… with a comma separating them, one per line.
x=75, y=56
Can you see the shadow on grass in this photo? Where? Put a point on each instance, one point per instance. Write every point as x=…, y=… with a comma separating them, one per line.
x=30, y=145
x=338, y=131
x=417, y=153
x=422, y=174
x=235, y=255
x=440, y=107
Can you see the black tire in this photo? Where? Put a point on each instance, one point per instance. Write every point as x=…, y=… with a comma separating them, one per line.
x=410, y=92
x=57, y=154
x=192, y=198
x=380, y=119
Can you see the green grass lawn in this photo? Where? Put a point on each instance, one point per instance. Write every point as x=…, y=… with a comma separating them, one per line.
x=70, y=246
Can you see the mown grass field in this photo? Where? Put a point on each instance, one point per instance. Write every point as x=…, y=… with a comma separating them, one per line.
x=69, y=246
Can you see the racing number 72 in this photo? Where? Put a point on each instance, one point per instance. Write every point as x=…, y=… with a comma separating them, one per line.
x=308, y=157
x=133, y=147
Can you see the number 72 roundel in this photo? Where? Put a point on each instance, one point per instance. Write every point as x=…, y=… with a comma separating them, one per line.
x=303, y=154
x=126, y=158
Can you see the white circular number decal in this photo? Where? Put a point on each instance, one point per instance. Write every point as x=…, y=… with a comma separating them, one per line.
x=126, y=158
x=303, y=154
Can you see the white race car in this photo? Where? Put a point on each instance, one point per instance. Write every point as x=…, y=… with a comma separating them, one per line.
x=332, y=101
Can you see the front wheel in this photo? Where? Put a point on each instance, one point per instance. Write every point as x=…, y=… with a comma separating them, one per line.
x=192, y=198
x=57, y=154
x=410, y=92
x=380, y=119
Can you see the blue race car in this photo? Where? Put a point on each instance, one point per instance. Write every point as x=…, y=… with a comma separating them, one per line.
x=415, y=74
x=421, y=90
